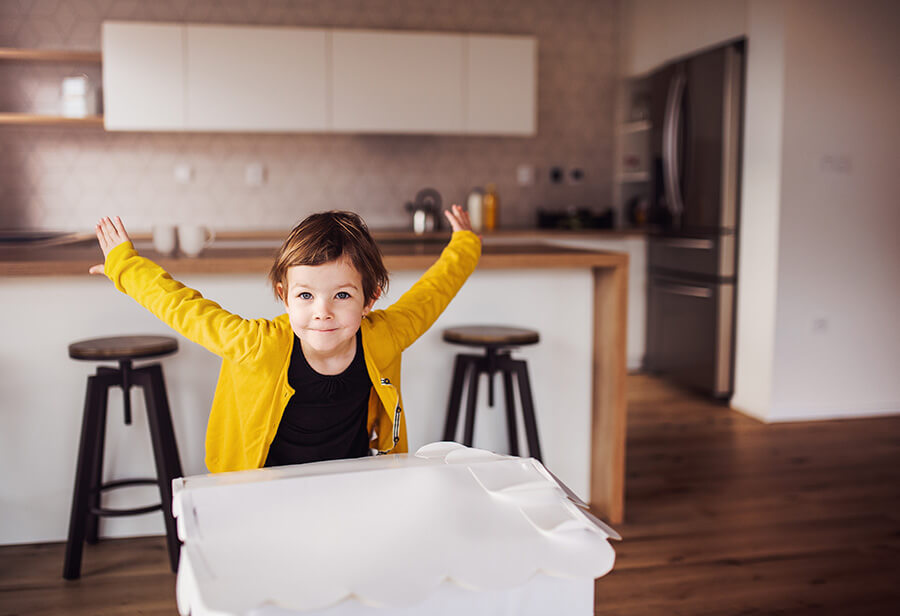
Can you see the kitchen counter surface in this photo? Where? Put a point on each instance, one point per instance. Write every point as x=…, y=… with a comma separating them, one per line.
x=249, y=253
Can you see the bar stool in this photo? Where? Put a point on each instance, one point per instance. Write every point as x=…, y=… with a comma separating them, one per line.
x=86, y=509
x=497, y=341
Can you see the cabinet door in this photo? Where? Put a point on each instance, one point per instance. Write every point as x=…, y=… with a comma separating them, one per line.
x=143, y=76
x=243, y=78
x=501, y=85
x=397, y=82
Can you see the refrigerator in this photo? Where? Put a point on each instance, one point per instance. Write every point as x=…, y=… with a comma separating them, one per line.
x=696, y=109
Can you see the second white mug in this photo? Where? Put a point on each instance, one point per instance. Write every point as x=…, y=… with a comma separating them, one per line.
x=192, y=239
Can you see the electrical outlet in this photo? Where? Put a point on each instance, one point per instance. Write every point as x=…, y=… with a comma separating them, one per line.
x=576, y=175
x=525, y=175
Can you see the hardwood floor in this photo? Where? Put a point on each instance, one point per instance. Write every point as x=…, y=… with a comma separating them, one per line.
x=724, y=515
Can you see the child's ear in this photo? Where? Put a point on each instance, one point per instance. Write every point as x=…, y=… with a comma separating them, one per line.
x=279, y=289
x=368, y=307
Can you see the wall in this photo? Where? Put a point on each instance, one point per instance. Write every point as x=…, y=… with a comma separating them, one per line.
x=760, y=208
x=67, y=178
x=660, y=30
x=837, y=342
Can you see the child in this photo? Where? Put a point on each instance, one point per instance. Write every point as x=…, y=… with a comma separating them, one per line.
x=321, y=381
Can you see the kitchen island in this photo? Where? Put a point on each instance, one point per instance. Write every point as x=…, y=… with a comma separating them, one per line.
x=576, y=299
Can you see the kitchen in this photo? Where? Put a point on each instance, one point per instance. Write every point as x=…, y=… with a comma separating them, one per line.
x=63, y=178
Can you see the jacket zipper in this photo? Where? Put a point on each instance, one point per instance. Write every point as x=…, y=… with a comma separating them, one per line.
x=396, y=421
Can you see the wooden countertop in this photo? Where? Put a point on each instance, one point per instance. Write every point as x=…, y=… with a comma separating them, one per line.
x=253, y=253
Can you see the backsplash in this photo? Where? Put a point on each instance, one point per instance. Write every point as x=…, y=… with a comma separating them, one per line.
x=65, y=178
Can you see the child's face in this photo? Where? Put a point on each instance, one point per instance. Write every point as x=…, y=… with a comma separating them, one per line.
x=325, y=305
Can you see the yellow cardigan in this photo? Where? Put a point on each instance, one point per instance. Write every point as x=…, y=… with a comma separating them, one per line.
x=253, y=388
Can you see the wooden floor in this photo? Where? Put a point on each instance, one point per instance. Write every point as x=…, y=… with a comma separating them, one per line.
x=724, y=515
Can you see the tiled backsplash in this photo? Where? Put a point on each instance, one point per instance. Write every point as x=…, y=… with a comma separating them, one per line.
x=65, y=178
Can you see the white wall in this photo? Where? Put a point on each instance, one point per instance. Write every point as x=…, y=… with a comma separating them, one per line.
x=660, y=30
x=837, y=339
x=42, y=390
x=760, y=207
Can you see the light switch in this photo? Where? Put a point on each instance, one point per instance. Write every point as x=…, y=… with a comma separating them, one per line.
x=184, y=173
x=525, y=175
x=255, y=174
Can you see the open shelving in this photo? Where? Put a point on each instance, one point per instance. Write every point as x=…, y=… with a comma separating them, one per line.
x=49, y=55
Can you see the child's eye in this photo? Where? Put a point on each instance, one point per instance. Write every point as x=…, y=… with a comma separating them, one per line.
x=305, y=295
x=342, y=295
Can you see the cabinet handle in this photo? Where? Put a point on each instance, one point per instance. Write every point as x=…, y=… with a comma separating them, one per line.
x=689, y=243
x=680, y=289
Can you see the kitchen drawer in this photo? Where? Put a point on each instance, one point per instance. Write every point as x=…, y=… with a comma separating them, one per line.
x=690, y=333
x=705, y=256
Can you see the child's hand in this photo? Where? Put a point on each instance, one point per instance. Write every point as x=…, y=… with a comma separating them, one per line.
x=459, y=218
x=110, y=233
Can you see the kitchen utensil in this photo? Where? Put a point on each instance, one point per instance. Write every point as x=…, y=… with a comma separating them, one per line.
x=425, y=210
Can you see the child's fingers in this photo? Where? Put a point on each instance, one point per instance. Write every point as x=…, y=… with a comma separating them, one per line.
x=120, y=228
x=96, y=269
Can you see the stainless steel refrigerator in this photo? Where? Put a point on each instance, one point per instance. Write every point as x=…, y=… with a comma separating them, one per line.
x=696, y=124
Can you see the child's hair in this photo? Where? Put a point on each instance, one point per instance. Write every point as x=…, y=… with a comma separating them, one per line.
x=326, y=237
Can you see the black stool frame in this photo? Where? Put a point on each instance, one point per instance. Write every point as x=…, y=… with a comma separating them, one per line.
x=86, y=510
x=471, y=367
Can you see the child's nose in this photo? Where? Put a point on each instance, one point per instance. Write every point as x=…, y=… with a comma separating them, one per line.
x=323, y=310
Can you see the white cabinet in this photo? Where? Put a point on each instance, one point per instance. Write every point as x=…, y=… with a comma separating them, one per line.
x=143, y=76
x=243, y=78
x=397, y=82
x=501, y=85
x=271, y=79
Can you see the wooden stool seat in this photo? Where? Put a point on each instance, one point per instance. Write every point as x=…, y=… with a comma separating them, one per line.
x=123, y=347
x=86, y=505
x=490, y=335
x=497, y=342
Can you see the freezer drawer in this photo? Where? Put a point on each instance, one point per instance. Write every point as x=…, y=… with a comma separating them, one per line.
x=690, y=333
x=711, y=256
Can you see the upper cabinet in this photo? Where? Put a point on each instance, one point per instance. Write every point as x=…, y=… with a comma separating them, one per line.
x=397, y=82
x=501, y=85
x=143, y=76
x=256, y=79
x=272, y=79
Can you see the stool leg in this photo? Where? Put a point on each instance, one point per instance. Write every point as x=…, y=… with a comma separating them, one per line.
x=93, y=520
x=81, y=494
x=165, y=450
x=511, y=428
x=520, y=367
x=474, y=376
x=460, y=367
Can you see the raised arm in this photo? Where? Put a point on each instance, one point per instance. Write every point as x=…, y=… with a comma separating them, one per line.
x=417, y=309
x=183, y=309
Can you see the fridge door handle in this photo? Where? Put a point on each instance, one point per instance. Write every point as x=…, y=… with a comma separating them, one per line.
x=672, y=146
x=690, y=291
x=691, y=244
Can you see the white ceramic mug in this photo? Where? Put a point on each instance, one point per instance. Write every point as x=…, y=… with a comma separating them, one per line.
x=192, y=239
x=164, y=239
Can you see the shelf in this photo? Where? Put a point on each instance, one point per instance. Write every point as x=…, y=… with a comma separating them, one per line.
x=634, y=176
x=50, y=55
x=31, y=119
x=635, y=127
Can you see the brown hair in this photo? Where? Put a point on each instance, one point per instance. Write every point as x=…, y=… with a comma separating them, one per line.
x=326, y=237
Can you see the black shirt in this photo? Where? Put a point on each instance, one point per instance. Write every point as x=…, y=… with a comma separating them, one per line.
x=326, y=417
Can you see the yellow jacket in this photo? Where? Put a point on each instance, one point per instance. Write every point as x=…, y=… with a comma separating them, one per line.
x=253, y=388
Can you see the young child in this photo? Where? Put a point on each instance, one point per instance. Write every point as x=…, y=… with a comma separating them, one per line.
x=322, y=381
